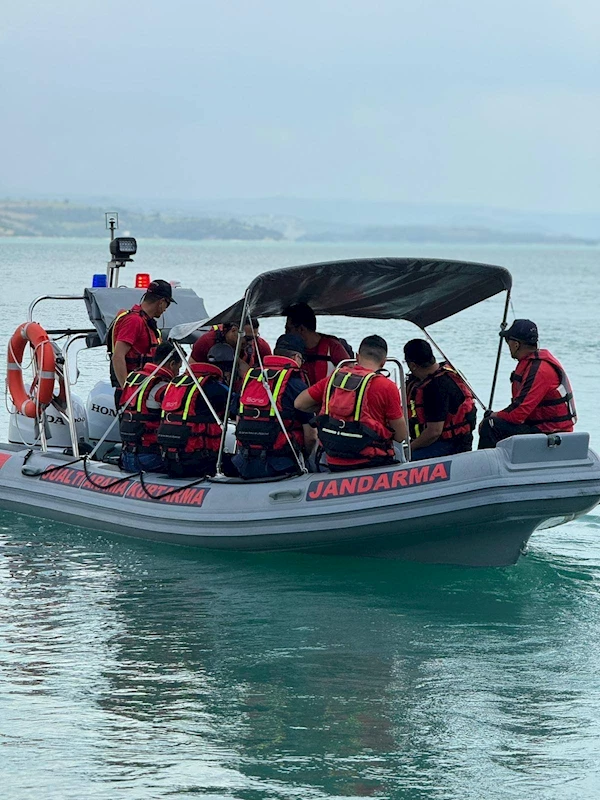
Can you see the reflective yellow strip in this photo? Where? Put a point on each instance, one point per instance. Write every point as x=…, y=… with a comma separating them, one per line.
x=329, y=387
x=361, y=394
x=188, y=402
x=277, y=389
x=141, y=394
x=114, y=325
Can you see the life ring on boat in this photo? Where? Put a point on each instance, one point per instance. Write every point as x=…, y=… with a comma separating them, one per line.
x=32, y=402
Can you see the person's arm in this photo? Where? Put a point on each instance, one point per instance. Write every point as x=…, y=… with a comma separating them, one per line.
x=311, y=399
x=399, y=428
x=118, y=361
x=431, y=434
x=310, y=439
x=537, y=381
x=436, y=407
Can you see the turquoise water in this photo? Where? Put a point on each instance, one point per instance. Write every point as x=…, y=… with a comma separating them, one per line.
x=138, y=671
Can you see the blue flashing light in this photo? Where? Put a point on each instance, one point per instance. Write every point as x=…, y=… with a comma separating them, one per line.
x=99, y=281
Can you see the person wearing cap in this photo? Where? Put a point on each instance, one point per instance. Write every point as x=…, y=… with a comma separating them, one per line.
x=133, y=335
x=323, y=351
x=227, y=334
x=265, y=449
x=249, y=347
x=360, y=411
x=542, y=397
x=441, y=410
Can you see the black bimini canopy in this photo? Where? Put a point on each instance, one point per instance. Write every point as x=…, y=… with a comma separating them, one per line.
x=420, y=290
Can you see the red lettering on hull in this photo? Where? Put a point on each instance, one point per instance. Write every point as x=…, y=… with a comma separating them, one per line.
x=129, y=489
x=383, y=482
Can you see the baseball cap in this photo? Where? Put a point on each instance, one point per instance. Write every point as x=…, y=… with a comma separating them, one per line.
x=291, y=342
x=161, y=289
x=523, y=330
x=221, y=354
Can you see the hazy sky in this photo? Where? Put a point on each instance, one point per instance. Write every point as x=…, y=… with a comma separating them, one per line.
x=427, y=100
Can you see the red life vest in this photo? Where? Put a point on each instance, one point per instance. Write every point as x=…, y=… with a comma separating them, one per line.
x=347, y=428
x=557, y=410
x=459, y=424
x=258, y=430
x=138, y=423
x=133, y=359
x=187, y=425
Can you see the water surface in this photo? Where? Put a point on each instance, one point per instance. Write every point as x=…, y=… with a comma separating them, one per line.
x=136, y=670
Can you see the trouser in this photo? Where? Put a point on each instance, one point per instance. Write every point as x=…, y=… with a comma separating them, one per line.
x=189, y=465
x=494, y=429
x=443, y=447
x=255, y=467
x=136, y=462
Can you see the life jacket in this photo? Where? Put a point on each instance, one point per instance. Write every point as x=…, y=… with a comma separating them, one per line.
x=324, y=356
x=258, y=430
x=133, y=359
x=557, y=410
x=187, y=425
x=347, y=428
x=459, y=424
x=139, y=423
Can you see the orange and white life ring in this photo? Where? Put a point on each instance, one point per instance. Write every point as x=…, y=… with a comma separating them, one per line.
x=31, y=403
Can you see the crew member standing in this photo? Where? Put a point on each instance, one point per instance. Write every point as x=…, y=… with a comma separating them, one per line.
x=133, y=335
x=542, y=397
x=361, y=412
x=441, y=411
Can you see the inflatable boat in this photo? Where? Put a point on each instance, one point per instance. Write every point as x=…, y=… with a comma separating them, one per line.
x=476, y=508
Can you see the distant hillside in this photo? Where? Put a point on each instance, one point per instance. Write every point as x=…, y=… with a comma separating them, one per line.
x=444, y=235
x=30, y=218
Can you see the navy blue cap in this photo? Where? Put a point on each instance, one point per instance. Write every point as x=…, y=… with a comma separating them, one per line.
x=291, y=342
x=523, y=330
x=221, y=354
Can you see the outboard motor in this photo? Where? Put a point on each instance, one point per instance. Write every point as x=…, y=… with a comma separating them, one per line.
x=101, y=414
x=24, y=430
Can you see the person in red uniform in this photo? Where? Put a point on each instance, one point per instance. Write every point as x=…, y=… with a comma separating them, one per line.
x=264, y=450
x=542, y=397
x=323, y=351
x=441, y=411
x=227, y=333
x=360, y=411
x=133, y=335
x=141, y=399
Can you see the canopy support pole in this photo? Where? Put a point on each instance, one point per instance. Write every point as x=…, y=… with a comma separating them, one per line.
x=238, y=347
x=499, y=355
x=301, y=465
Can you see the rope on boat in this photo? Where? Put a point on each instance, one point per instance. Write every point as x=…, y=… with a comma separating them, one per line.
x=175, y=490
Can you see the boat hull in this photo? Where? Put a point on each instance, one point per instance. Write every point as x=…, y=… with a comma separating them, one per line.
x=476, y=508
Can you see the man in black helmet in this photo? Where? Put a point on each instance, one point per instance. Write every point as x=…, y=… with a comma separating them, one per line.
x=542, y=398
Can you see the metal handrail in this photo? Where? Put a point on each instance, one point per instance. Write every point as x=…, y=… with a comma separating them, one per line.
x=50, y=297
